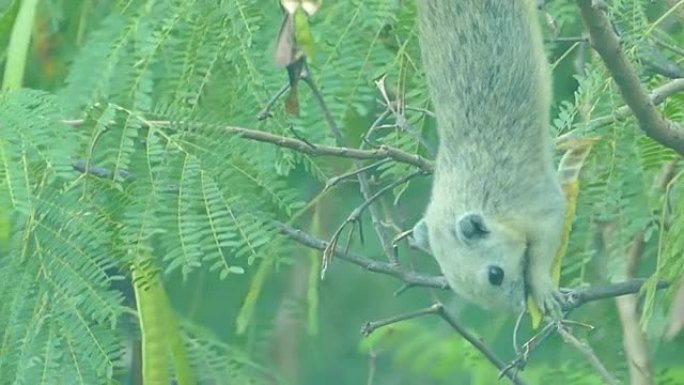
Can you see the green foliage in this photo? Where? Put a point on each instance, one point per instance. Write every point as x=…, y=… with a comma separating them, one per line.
x=127, y=154
x=439, y=354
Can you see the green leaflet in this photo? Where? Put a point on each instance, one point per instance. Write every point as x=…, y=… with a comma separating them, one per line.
x=18, y=45
x=6, y=22
x=159, y=329
x=257, y=284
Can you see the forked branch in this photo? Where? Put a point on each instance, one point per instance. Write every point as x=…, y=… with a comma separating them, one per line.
x=607, y=44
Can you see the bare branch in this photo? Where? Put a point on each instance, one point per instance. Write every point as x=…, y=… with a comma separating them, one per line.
x=606, y=43
x=588, y=353
x=439, y=309
x=372, y=326
x=479, y=345
x=355, y=217
x=339, y=178
x=422, y=111
x=397, y=108
x=364, y=184
x=409, y=277
x=266, y=111
x=579, y=297
x=567, y=39
x=384, y=152
x=371, y=368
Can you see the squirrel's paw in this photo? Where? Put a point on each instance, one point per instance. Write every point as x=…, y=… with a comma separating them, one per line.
x=550, y=302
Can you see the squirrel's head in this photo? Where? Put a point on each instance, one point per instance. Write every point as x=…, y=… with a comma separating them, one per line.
x=482, y=259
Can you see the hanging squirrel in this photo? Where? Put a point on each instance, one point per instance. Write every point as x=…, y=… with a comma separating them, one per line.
x=496, y=213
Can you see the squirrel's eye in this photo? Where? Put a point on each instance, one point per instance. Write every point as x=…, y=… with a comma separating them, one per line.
x=496, y=275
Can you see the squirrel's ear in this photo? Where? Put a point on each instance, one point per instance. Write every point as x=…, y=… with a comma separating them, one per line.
x=471, y=227
x=419, y=237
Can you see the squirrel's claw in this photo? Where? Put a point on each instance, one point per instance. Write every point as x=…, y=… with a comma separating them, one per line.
x=550, y=303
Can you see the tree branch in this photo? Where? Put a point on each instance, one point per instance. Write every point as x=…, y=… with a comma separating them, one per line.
x=383, y=152
x=579, y=297
x=409, y=277
x=657, y=97
x=364, y=183
x=606, y=43
x=574, y=299
x=479, y=345
x=355, y=217
x=439, y=309
x=265, y=113
x=528, y=347
x=588, y=353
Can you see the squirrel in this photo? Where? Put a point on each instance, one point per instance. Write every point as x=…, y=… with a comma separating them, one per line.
x=495, y=217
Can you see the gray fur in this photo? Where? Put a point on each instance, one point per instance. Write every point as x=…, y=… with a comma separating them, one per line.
x=491, y=90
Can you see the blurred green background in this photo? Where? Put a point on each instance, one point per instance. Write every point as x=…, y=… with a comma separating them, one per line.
x=212, y=62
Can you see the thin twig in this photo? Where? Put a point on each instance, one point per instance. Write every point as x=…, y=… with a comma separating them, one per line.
x=372, y=326
x=403, y=235
x=439, y=309
x=355, y=216
x=337, y=179
x=409, y=277
x=296, y=135
x=673, y=49
x=265, y=113
x=364, y=184
x=375, y=125
x=523, y=353
x=371, y=367
x=567, y=39
x=334, y=129
x=424, y=111
x=528, y=347
x=575, y=299
x=398, y=109
x=588, y=353
x=516, y=329
x=607, y=44
x=476, y=342
x=404, y=157
x=402, y=289
x=359, y=210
